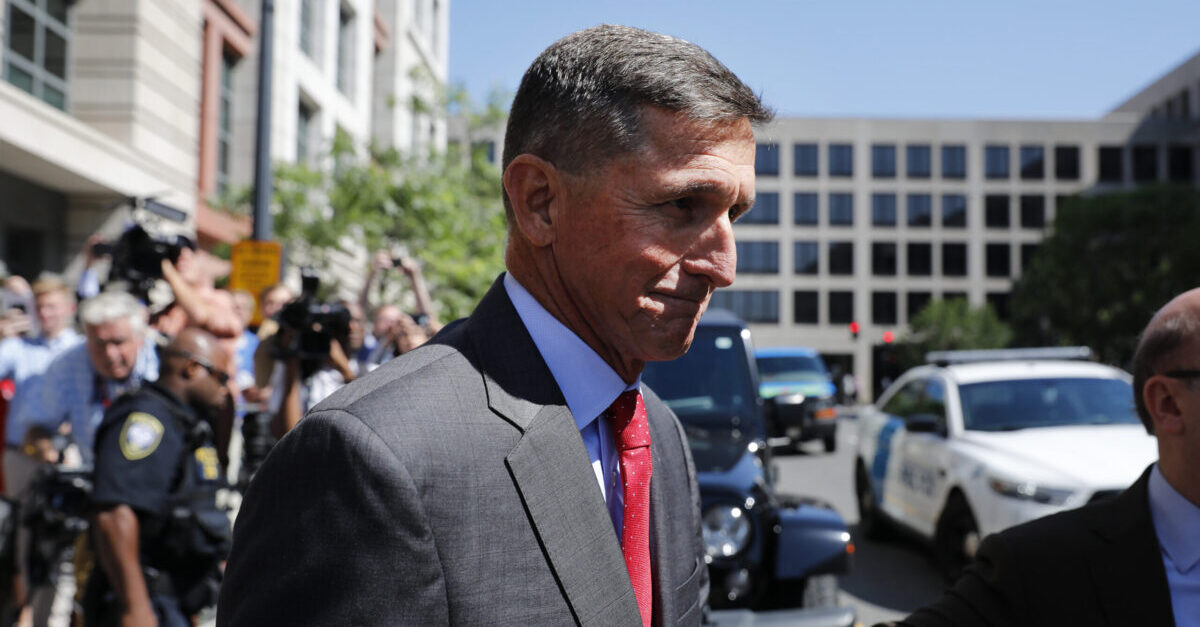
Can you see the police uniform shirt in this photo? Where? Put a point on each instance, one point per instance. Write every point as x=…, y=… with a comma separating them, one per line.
x=139, y=451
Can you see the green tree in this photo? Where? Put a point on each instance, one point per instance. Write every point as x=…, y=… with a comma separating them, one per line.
x=1111, y=261
x=951, y=325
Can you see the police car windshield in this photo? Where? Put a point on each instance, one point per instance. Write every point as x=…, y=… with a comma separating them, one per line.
x=711, y=383
x=791, y=368
x=1029, y=403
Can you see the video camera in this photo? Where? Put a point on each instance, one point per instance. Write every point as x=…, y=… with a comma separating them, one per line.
x=313, y=325
x=138, y=253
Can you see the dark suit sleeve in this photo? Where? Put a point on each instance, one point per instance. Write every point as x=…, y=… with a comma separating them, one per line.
x=989, y=594
x=332, y=532
x=694, y=487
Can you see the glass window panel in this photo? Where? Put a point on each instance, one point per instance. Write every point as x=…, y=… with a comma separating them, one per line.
x=804, y=159
x=996, y=211
x=765, y=211
x=1066, y=163
x=1033, y=163
x=954, y=162
x=883, y=161
x=916, y=302
x=1112, y=170
x=883, y=209
x=954, y=210
x=954, y=259
x=920, y=209
x=841, y=258
x=749, y=305
x=920, y=259
x=841, y=307
x=54, y=97
x=18, y=77
x=883, y=258
x=1179, y=163
x=998, y=260
x=1033, y=211
x=805, y=257
x=995, y=161
x=804, y=307
x=919, y=161
x=804, y=204
x=841, y=160
x=766, y=159
x=758, y=257
x=21, y=26
x=56, y=54
x=58, y=10
x=841, y=209
x=883, y=307
x=1145, y=163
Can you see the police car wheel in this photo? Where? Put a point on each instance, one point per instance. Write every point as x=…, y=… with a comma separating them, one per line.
x=870, y=520
x=957, y=537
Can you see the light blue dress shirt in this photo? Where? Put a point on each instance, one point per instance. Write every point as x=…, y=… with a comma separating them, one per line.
x=1177, y=523
x=24, y=360
x=588, y=384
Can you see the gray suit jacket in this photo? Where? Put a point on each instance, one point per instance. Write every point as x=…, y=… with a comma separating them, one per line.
x=451, y=486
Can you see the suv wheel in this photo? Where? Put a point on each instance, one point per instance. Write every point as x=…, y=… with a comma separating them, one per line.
x=870, y=519
x=830, y=442
x=957, y=537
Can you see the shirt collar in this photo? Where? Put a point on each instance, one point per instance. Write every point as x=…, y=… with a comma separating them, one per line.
x=588, y=383
x=1176, y=520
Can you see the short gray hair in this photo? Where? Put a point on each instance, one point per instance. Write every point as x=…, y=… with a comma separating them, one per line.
x=109, y=306
x=579, y=102
x=1156, y=343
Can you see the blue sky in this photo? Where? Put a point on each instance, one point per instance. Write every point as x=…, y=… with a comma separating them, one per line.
x=916, y=58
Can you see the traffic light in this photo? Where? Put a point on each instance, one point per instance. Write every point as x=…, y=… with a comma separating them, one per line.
x=888, y=336
x=854, y=330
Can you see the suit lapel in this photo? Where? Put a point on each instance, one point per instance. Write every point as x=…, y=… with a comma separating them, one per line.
x=664, y=544
x=1128, y=570
x=550, y=466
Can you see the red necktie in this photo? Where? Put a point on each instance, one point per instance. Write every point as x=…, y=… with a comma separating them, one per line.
x=632, y=432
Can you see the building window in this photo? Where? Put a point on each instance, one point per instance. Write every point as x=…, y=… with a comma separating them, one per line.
x=766, y=159
x=883, y=307
x=1033, y=211
x=954, y=259
x=841, y=258
x=758, y=257
x=346, y=49
x=920, y=210
x=996, y=211
x=999, y=304
x=883, y=209
x=883, y=161
x=1066, y=163
x=841, y=209
x=1028, y=251
x=954, y=162
x=1145, y=163
x=918, y=161
x=1179, y=163
x=805, y=257
x=1111, y=168
x=37, y=44
x=920, y=259
x=804, y=160
x=916, y=302
x=225, y=123
x=954, y=210
x=304, y=129
x=995, y=161
x=841, y=307
x=883, y=259
x=841, y=160
x=307, y=27
x=765, y=211
x=749, y=305
x=804, y=307
x=1033, y=163
x=804, y=208
x=998, y=258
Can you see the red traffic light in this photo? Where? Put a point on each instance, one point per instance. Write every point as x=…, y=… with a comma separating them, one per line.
x=888, y=336
x=854, y=328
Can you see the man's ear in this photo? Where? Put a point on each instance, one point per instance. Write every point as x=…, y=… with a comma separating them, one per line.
x=1160, y=402
x=534, y=186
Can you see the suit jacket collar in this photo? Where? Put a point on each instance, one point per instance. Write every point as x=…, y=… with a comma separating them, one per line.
x=550, y=466
x=1128, y=571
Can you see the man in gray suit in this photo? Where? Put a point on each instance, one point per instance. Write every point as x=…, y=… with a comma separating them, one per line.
x=513, y=471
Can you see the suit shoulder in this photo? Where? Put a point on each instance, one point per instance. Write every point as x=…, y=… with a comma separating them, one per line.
x=1063, y=531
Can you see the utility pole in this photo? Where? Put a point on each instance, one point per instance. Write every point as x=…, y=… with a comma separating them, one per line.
x=263, y=180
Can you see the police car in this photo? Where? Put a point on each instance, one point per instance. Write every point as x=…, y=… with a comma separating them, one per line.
x=978, y=441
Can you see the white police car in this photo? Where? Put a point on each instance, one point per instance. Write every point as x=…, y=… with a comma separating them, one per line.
x=979, y=441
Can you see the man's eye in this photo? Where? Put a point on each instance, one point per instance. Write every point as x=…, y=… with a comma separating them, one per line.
x=686, y=204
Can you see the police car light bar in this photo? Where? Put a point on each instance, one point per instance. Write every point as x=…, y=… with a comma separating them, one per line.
x=1071, y=353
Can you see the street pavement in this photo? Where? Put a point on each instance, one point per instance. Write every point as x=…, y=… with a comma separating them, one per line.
x=889, y=579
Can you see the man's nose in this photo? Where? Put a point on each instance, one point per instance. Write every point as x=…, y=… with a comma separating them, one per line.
x=715, y=253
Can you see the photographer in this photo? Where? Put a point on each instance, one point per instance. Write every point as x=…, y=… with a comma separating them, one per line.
x=384, y=328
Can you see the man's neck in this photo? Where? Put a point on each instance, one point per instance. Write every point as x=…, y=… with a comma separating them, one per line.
x=1177, y=474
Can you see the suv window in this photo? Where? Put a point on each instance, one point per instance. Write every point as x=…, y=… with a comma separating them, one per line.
x=907, y=400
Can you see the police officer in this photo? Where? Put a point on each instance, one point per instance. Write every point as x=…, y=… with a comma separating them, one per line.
x=156, y=531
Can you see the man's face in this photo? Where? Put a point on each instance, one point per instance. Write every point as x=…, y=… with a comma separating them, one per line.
x=113, y=348
x=357, y=325
x=385, y=320
x=208, y=389
x=54, y=310
x=644, y=241
x=274, y=301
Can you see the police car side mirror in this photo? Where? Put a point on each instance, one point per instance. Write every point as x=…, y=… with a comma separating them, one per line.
x=924, y=423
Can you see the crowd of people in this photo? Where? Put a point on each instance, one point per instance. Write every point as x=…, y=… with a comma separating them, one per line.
x=70, y=354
